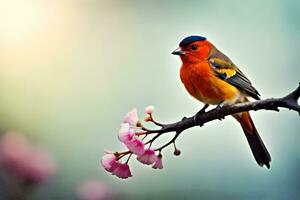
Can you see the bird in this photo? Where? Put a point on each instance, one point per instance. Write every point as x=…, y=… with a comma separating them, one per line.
x=213, y=79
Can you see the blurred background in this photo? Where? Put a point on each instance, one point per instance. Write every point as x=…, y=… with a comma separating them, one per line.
x=70, y=70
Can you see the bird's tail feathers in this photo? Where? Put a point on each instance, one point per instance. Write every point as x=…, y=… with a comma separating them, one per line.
x=257, y=146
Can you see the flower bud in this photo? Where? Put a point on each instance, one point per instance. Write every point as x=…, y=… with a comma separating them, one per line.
x=177, y=152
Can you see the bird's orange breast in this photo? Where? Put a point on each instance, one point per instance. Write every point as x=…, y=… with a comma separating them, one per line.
x=201, y=82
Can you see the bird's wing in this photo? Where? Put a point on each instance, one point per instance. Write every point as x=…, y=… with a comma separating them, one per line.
x=227, y=71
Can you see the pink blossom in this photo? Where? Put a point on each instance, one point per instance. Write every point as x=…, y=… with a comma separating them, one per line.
x=131, y=118
x=148, y=157
x=149, y=110
x=148, y=118
x=158, y=163
x=24, y=161
x=136, y=146
x=125, y=133
x=107, y=151
x=94, y=190
x=122, y=171
x=109, y=162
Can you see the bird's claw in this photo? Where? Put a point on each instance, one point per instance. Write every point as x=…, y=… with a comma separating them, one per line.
x=197, y=117
x=198, y=114
x=202, y=111
x=218, y=115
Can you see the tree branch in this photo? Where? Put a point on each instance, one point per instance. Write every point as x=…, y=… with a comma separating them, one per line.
x=289, y=101
x=136, y=141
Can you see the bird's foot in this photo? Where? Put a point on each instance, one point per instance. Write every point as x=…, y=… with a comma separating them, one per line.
x=218, y=114
x=202, y=111
x=199, y=113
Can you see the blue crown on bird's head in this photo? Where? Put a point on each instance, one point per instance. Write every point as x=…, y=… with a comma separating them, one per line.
x=188, y=40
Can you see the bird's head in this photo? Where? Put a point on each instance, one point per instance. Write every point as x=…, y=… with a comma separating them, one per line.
x=193, y=49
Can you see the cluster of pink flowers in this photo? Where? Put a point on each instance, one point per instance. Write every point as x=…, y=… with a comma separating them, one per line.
x=130, y=135
x=26, y=162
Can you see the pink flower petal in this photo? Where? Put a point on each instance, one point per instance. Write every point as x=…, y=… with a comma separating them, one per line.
x=125, y=133
x=136, y=146
x=158, y=163
x=122, y=171
x=149, y=109
x=107, y=151
x=108, y=162
x=148, y=157
x=131, y=118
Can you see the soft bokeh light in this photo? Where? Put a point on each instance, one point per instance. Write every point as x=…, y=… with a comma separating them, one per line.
x=34, y=32
x=94, y=190
x=24, y=161
x=70, y=70
x=20, y=19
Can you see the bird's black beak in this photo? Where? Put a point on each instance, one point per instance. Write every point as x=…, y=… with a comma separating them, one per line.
x=178, y=52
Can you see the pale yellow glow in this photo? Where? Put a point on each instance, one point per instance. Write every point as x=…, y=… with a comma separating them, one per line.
x=34, y=32
x=21, y=19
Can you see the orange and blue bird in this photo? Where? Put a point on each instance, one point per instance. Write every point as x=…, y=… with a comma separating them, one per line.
x=212, y=78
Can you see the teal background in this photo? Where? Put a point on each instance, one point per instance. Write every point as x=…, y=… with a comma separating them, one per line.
x=68, y=83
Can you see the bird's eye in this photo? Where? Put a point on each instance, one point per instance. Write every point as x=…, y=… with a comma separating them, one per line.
x=194, y=47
